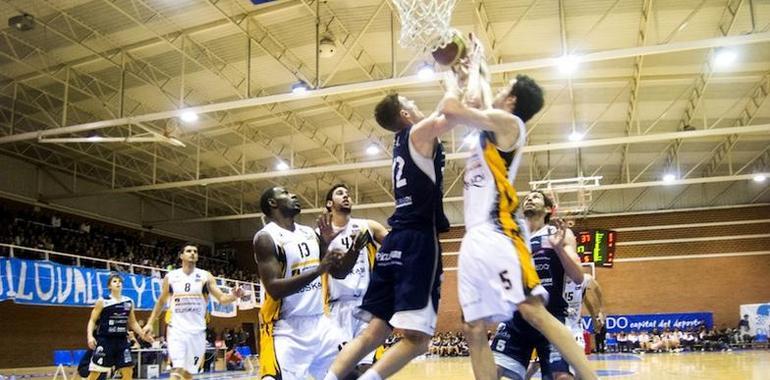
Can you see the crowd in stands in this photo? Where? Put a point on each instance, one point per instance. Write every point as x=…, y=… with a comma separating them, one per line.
x=42, y=229
x=700, y=339
x=448, y=344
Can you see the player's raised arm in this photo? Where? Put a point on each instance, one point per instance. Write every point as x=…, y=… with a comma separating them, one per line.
x=267, y=257
x=564, y=243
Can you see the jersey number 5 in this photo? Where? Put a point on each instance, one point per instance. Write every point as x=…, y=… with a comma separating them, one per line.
x=506, y=282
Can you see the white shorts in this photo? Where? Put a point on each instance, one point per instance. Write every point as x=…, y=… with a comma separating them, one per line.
x=343, y=313
x=186, y=349
x=491, y=278
x=578, y=335
x=296, y=347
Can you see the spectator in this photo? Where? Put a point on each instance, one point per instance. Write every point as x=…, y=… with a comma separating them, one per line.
x=623, y=342
x=233, y=359
x=600, y=336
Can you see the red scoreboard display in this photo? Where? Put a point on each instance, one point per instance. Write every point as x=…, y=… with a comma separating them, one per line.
x=597, y=246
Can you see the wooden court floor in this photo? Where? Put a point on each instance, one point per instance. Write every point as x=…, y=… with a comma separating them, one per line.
x=744, y=365
x=734, y=365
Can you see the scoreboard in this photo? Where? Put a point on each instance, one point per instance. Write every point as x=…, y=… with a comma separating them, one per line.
x=597, y=246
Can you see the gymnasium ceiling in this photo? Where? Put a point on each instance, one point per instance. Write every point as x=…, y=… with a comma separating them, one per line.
x=125, y=68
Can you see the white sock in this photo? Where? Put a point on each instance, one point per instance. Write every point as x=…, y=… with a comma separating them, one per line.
x=330, y=376
x=370, y=374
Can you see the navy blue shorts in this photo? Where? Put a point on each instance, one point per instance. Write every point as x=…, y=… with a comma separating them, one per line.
x=109, y=353
x=407, y=274
x=513, y=344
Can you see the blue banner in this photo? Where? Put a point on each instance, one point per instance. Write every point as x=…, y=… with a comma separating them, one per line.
x=648, y=322
x=34, y=282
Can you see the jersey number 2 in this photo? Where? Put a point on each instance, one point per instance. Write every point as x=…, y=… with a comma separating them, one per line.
x=398, y=172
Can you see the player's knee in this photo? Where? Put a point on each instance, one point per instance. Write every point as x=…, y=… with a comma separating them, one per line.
x=375, y=333
x=474, y=331
x=533, y=311
x=420, y=340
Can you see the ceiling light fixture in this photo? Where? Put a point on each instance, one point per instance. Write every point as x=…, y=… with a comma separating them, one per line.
x=372, y=150
x=299, y=88
x=426, y=72
x=188, y=116
x=568, y=64
x=724, y=58
x=576, y=136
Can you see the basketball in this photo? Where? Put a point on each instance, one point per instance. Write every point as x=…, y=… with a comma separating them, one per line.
x=452, y=52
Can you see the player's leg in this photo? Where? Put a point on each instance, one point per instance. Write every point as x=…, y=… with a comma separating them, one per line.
x=558, y=334
x=417, y=288
x=489, y=287
x=534, y=366
x=123, y=361
x=513, y=347
x=412, y=345
x=372, y=336
x=127, y=373
x=478, y=347
x=377, y=307
x=102, y=360
x=176, y=353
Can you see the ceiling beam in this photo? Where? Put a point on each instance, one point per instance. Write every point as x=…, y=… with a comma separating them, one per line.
x=403, y=81
x=448, y=200
x=357, y=166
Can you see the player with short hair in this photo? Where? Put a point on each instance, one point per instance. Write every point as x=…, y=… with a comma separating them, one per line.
x=343, y=296
x=405, y=283
x=296, y=338
x=107, y=332
x=188, y=288
x=496, y=274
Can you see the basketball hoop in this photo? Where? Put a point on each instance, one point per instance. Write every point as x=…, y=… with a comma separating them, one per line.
x=571, y=195
x=425, y=23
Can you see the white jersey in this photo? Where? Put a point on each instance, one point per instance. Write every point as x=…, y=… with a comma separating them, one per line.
x=189, y=299
x=353, y=287
x=490, y=196
x=573, y=294
x=298, y=252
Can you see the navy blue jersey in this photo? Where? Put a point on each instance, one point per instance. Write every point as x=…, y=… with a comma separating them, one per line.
x=113, y=321
x=550, y=270
x=419, y=199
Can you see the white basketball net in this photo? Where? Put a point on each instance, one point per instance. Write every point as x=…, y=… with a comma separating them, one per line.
x=425, y=23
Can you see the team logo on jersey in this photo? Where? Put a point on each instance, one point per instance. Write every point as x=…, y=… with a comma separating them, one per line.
x=126, y=306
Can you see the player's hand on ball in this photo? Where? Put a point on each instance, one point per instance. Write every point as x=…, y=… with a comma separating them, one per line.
x=91, y=343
